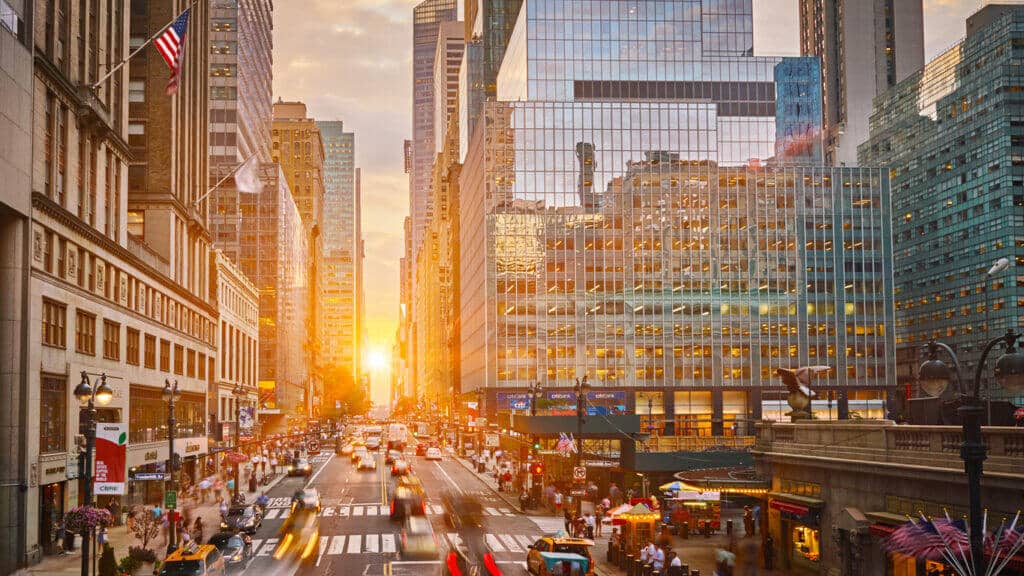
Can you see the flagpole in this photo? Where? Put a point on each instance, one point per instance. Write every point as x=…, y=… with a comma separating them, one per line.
x=222, y=180
x=121, y=64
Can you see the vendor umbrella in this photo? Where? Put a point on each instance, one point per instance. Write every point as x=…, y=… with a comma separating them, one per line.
x=675, y=486
x=235, y=457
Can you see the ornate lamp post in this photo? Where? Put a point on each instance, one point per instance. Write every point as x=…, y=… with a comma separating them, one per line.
x=88, y=397
x=934, y=377
x=238, y=393
x=169, y=394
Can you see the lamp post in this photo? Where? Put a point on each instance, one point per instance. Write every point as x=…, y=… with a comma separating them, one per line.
x=88, y=397
x=238, y=393
x=169, y=394
x=535, y=391
x=934, y=377
x=581, y=411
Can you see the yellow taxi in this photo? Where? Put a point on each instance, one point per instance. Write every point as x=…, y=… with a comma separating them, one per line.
x=550, y=550
x=194, y=560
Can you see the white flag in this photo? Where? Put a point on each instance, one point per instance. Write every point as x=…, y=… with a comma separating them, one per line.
x=246, y=179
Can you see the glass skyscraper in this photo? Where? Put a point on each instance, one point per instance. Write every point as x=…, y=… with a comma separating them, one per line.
x=952, y=141
x=623, y=218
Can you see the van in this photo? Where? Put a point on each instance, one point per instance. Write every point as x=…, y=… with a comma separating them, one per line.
x=194, y=560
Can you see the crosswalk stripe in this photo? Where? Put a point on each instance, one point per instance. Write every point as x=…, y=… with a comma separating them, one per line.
x=372, y=543
x=268, y=547
x=323, y=545
x=525, y=540
x=343, y=511
x=437, y=508
x=371, y=510
x=256, y=544
x=506, y=511
x=385, y=510
x=328, y=511
x=357, y=511
x=271, y=514
x=337, y=545
x=492, y=511
x=510, y=543
x=387, y=543
x=493, y=543
x=355, y=544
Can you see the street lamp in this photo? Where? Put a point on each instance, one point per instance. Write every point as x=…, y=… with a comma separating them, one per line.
x=934, y=377
x=238, y=393
x=169, y=394
x=580, y=388
x=88, y=397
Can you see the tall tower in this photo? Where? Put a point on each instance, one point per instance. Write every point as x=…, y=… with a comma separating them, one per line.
x=865, y=48
x=428, y=17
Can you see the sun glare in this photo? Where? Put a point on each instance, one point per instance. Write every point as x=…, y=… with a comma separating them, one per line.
x=376, y=360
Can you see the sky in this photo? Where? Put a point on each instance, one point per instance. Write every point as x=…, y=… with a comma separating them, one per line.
x=351, y=60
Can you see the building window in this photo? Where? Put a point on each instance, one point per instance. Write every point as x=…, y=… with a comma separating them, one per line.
x=53, y=414
x=85, y=332
x=54, y=324
x=147, y=416
x=111, y=340
x=48, y=252
x=136, y=91
x=165, y=356
x=693, y=411
x=191, y=365
x=132, y=354
x=179, y=358
x=150, y=351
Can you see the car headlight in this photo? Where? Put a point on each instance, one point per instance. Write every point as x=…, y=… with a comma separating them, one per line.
x=290, y=468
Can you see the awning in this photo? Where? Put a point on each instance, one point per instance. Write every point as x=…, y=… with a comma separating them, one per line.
x=881, y=530
x=787, y=507
x=805, y=501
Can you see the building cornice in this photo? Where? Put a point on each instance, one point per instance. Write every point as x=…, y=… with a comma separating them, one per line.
x=49, y=207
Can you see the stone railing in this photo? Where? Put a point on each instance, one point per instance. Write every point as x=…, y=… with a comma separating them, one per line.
x=877, y=441
x=148, y=255
x=699, y=443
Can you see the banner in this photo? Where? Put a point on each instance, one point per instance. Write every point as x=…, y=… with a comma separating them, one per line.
x=111, y=458
x=246, y=423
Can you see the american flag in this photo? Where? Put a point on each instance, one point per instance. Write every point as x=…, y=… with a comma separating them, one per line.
x=171, y=45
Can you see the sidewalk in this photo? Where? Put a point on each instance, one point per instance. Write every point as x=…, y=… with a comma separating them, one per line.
x=120, y=540
x=488, y=478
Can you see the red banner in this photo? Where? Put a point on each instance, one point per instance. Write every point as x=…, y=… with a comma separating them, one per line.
x=111, y=458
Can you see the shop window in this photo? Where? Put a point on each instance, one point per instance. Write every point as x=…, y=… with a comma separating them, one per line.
x=53, y=413
x=734, y=413
x=650, y=406
x=806, y=544
x=693, y=411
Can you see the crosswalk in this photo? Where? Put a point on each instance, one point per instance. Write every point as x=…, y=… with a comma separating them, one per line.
x=387, y=543
x=276, y=511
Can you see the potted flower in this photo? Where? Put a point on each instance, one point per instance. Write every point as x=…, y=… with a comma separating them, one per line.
x=82, y=518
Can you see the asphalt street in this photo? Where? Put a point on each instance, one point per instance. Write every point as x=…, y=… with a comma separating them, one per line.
x=357, y=536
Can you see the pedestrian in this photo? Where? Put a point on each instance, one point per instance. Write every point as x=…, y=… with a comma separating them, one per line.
x=598, y=517
x=273, y=463
x=769, y=552
x=675, y=564
x=567, y=517
x=748, y=521
x=223, y=508
x=252, y=482
x=197, y=529
x=103, y=537
x=156, y=511
x=658, y=562
x=591, y=524
x=646, y=552
x=524, y=499
x=114, y=507
x=558, y=503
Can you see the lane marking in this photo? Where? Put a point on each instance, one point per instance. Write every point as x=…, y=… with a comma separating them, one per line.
x=323, y=548
x=510, y=543
x=355, y=544
x=387, y=544
x=372, y=544
x=492, y=511
x=268, y=546
x=256, y=545
x=493, y=543
x=450, y=481
x=337, y=545
x=322, y=468
x=357, y=511
x=525, y=540
x=343, y=511
x=385, y=510
x=372, y=510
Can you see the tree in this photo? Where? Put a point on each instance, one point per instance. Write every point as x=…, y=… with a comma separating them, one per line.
x=108, y=564
x=145, y=527
x=341, y=387
x=406, y=405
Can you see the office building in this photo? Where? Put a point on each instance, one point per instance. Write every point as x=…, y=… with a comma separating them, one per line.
x=241, y=46
x=428, y=18
x=237, y=366
x=18, y=426
x=341, y=248
x=865, y=47
x=948, y=137
x=447, y=59
x=676, y=268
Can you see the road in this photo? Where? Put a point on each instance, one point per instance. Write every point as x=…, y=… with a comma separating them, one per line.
x=358, y=538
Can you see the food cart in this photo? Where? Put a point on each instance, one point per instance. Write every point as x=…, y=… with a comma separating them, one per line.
x=638, y=526
x=700, y=509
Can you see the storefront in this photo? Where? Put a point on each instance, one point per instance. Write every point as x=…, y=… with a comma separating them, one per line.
x=54, y=497
x=799, y=535
x=146, y=462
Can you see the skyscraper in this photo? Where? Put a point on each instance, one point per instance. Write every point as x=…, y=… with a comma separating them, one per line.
x=951, y=143
x=428, y=17
x=865, y=47
x=447, y=59
x=621, y=217
x=341, y=247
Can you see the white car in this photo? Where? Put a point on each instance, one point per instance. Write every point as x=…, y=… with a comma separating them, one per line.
x=433, y=453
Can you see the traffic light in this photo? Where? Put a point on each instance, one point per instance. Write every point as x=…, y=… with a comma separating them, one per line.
x=536, y=445
x=537, y=468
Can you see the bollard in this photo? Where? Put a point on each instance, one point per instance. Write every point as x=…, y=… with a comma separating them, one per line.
x=656, y=573
x=728, y=527
x=686, y=569
x=707, y=529
x=630, y=565
x=610, y=555
x=695, y=573
x=686, y=530
x=645, y=570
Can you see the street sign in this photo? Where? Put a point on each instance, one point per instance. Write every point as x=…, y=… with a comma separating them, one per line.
x=578, y=492
x=149, y=476
x=491, y=440
x=170, y=499
x=579, y=473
